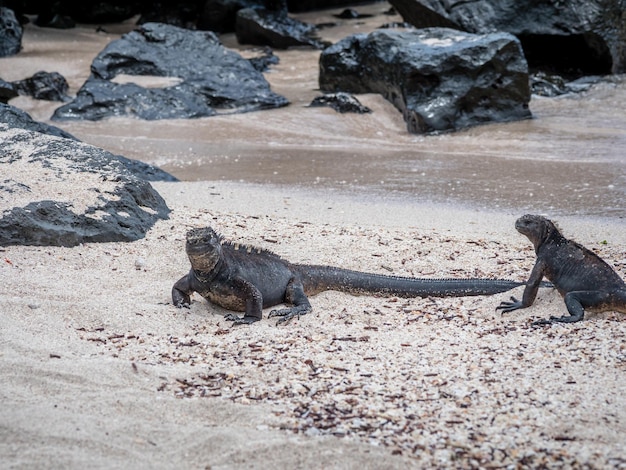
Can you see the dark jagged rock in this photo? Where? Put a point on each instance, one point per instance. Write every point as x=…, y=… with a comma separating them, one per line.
x=211, y=15
x=16, y=118
x=551, y=85
x=577, y=37
x=340, y=102
x=351, y=14
x=183, y=14
x=10, y=33
x=145, y=171
x=63, y=14
x=53, y=15
x=101, y=11
x=50, y=86
x=544, y=84
x=275, y=29
x=397, y=24
x=262, y=63
x=7, y=91
x=63, y=192
x=213, y=79
x=440, y=79
x=48, y=19
x=221, y=15
x=308, y=5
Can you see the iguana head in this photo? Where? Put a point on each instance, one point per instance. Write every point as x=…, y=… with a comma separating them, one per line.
x=204, y=248
x=537, y=228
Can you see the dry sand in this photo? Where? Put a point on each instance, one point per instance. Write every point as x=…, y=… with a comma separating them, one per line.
x=100, y=370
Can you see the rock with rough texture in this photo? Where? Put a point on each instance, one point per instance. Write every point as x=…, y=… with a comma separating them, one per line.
x=101, y=11
x=266, y=59
x=56, y=191
x=10, y=33
x=210, y=79
x=50, y=86
x=340, y=102
x=7, y=91
x=351, y=14
x=577, y=37
x=275, y=29
x=221, y=15
x=441, y=79
x=183, y=14
x=49, y=19
x=63, y=14
x=16, y=118
x=307, y=5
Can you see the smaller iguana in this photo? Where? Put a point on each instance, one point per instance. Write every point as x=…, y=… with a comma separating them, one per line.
x=243, y=278
x=585, y=281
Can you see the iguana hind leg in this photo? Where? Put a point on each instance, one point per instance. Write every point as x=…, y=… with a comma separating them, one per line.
x=295, y=295
x=576, y=303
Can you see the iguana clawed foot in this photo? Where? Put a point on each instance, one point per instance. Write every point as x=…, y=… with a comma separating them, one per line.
x=237, y=320
x=553, y=319
x=509, y=306
x=288, y=314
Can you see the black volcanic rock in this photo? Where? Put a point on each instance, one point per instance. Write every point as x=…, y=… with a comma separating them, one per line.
x=50, y=86
x=440, y=79
x=574, y=38
x=10, y=33
x=56, y=191
x=340, y=102
x=221, y=15
x=263, y=62
x=308, y=5
x=212, y=79
x=275, y=29
x=7, y=91
x=14, y=117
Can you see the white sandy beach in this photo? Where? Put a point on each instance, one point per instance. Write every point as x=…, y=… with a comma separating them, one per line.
x=99, y=368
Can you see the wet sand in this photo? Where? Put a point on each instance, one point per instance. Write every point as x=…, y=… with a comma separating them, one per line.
x=567, y=160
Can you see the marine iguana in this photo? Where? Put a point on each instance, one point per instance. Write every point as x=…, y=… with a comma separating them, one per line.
x=585, y=281
x=244, y=278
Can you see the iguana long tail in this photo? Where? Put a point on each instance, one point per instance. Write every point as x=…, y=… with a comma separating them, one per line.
x=320, y=278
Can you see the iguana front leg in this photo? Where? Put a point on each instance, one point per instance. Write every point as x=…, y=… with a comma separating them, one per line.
x=530, y=291
x=181, y=293
x=294, y=294
x=253, y=300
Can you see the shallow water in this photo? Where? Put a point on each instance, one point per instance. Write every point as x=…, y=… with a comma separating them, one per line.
x=568, y=160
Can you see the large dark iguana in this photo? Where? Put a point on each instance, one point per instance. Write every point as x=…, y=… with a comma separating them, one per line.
x=243, y=278
x=585, y=281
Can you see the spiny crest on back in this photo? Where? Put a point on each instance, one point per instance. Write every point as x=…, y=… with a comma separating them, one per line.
x=249, y=249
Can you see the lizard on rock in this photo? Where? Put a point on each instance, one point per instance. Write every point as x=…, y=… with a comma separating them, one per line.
x=585, y=281
x=244, y=278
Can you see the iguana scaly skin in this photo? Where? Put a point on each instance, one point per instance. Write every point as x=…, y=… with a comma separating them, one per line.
x=585, y=281
x=243, y=278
